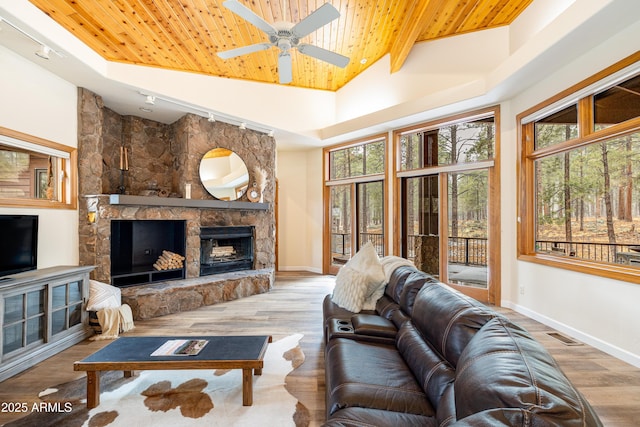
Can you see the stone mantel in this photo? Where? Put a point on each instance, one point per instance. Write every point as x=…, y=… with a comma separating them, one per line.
x=123, y=199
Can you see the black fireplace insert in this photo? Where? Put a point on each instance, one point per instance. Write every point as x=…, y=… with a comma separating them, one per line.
x=136, y=246
x=224, y=249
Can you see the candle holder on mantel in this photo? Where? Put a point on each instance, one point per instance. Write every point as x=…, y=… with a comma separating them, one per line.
x=124, y=166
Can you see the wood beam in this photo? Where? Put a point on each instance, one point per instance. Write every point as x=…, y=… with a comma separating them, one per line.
x=414, y=23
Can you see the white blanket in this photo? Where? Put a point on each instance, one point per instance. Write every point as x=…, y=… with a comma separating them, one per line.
x=113, y=321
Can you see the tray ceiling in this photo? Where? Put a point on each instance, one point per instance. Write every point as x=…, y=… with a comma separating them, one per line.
x=185, y=35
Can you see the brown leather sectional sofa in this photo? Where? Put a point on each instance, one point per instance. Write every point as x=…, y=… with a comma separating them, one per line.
x=430, y=356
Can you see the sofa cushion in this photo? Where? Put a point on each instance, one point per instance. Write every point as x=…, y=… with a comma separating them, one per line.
x=414, y=283
x=432, y=372
x=364, y=417
x=368, y=375
x=396, y=282
x=448, y=319
x=400, y=293
x=360, y=282
x=523, y=375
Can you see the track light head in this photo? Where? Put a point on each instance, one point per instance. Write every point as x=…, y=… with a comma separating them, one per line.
x=211, y=118
x=271, y=133
x=151, y=100
x=43, y=51
x=243, y=126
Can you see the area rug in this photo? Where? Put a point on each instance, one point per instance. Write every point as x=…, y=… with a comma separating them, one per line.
x=181, y=398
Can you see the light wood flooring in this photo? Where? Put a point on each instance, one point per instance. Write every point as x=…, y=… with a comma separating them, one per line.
x=295, y=306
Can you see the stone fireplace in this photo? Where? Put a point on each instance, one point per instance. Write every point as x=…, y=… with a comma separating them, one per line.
x=163, y=161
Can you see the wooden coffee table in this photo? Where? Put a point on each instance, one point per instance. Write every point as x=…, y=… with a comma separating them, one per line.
x=130, y=354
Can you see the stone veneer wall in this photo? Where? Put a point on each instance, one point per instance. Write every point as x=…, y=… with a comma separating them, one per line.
x=162, y=159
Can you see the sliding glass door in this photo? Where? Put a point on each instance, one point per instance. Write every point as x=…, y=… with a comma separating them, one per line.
x=448, y=199
x=354, y=200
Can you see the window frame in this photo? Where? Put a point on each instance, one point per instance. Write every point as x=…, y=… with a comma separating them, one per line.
x=492, y=294
x=327, y=183
x=68, y=185
x=581, y=93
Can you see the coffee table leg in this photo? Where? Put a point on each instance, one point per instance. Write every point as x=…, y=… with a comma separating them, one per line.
x=93, y=389
x=247, y=386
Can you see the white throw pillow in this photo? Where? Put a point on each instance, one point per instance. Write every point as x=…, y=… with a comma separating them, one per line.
x=102, y=295
x=360, y=282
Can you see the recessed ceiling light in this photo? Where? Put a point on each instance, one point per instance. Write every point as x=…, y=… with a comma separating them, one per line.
x=363, y=61
x=146, y=110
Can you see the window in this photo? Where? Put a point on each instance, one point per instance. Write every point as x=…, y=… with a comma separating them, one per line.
x=354, y=200
x=35, y=172
x=580, y=171
x=448, y=199
x=468, y=141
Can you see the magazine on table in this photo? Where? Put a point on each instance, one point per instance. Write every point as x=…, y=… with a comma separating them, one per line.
x=180, y=347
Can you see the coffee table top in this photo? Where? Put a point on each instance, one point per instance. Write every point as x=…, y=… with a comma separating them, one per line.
x=136, y=351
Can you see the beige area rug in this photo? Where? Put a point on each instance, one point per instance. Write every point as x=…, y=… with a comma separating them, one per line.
x=182, y=398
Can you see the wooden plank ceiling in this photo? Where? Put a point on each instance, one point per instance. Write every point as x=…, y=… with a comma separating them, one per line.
x=186, y=34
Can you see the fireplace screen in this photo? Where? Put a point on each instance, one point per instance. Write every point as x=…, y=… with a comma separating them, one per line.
x=224, y=249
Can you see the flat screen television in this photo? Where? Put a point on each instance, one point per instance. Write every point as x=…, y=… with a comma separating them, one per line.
x=18, y=243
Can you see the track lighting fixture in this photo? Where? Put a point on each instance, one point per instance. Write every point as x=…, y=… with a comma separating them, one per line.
x=211, y=116
x=43, y=52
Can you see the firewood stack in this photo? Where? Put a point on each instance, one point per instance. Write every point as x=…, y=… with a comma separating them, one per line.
x=169, y=261
x=222, y=251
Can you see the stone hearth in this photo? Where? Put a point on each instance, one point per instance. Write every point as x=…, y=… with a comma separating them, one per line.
x=159, y=299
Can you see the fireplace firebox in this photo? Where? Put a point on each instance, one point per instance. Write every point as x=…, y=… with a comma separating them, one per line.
x=225, y=249
x=136, y=245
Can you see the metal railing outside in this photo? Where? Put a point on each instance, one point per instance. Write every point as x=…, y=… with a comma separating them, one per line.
x=341, y=243
x=462, y=250
x=603, y=252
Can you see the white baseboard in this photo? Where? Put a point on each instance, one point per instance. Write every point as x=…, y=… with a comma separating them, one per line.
x=608, y=348
x=301, y=268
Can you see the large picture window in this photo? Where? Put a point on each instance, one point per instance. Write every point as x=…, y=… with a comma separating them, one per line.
x=580, y=171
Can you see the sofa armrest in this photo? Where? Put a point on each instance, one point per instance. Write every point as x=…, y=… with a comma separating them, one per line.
x=373, y=325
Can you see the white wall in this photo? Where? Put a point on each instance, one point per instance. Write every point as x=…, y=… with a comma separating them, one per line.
x=300, y=210
x=601, y=312
x=39, y=103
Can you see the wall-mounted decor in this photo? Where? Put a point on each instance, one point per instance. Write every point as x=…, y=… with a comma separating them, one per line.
x=224, y=174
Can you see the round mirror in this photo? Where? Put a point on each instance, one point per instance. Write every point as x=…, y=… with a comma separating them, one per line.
x=224, y=174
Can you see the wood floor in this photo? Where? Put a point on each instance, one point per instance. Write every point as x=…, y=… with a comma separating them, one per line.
x=294, y=305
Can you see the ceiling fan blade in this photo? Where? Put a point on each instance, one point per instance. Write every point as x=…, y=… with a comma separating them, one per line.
x=244, y=50
x=324, y=55
x=284, y=68
x=321, y=16
x=248, y=15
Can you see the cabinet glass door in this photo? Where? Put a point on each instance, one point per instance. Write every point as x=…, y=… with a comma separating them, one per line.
x=23, y=320
x=66, y=306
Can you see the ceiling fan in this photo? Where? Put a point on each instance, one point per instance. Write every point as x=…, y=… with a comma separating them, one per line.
x=285, y=36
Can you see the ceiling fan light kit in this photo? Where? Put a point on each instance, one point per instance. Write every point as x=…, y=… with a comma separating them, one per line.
x=285, y=36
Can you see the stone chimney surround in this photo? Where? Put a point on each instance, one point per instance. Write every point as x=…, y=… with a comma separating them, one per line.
x=162, y=159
